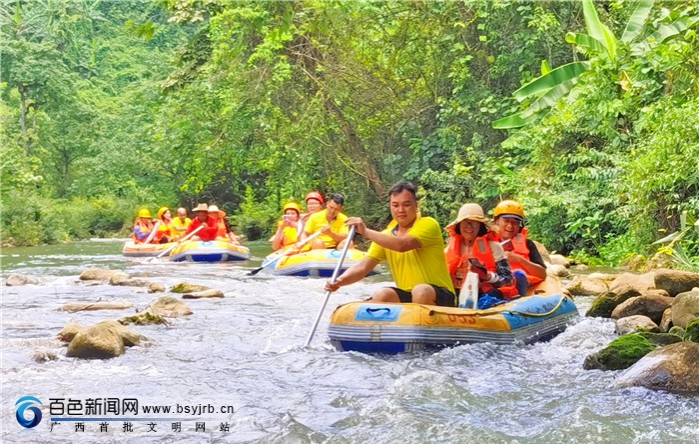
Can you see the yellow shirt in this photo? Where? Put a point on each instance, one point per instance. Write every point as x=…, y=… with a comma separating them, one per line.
x=424, y=265
x=319, y=220
x=180, y=227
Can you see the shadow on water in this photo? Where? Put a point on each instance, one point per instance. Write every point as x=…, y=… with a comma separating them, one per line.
x=246, y=351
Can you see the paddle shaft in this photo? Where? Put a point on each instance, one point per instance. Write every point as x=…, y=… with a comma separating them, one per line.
x=338, y=267
x=152, y=234
x=196, y=230
x=286, y=253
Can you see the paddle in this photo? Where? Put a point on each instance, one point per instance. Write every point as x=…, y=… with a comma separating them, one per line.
x=270, y=260
x=152, y=234
x=196, y=230
x=332, y=279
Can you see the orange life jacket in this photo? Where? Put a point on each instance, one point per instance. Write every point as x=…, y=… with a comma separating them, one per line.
x=222, y=232
x=146, y=227
x=458, y=265
x=519, y=245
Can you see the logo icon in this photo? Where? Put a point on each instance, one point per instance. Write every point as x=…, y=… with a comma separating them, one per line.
x=23, y=404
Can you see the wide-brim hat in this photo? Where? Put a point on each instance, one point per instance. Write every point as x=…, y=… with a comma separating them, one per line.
x=201, y=207
x=213, y=209
x=469, y=211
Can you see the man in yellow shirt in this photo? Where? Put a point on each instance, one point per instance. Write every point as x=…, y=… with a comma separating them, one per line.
x=414, y=249
x=181, y=223
x=330, y=222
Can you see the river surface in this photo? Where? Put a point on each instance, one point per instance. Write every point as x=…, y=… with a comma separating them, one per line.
x=246, y=351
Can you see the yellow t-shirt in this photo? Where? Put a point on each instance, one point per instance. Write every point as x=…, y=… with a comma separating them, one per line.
x=180, y=227
x=424, y=265
x=319, y=220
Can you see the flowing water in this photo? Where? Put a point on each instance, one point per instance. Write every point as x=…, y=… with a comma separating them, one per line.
x=246, y=351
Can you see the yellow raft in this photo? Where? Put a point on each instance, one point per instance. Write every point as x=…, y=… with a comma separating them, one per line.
x=213, y=251
x=132, y=249
x=395, y=328
x=315, y=263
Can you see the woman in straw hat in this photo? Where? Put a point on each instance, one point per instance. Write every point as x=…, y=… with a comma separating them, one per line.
x=471, y=248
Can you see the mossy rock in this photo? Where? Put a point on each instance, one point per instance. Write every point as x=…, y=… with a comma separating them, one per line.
x=185, y=288
x=143, y=318
x=660, y=339
x=620, y=354
x=675, y=330
x=603, y=306
x=691, y=331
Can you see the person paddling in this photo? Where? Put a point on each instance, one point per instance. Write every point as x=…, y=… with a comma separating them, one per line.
x=210, y=230
x=414, y=249
x=143, y=226
x=330, y=222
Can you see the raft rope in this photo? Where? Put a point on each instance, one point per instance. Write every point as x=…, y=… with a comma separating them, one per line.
x=514, y=312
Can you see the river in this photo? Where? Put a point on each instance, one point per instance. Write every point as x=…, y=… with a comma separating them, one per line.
x=246, y=351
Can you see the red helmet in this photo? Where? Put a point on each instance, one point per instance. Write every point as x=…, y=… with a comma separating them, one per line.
x=315, y=195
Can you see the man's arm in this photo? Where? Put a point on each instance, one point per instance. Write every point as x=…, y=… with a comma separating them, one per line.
x=353, y=274
x=396, y=243
x=529, y=267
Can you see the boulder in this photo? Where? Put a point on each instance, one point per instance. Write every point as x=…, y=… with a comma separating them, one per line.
x=559, y=259
x=104, y=340
x=69, y=331
x=621, y=353
x=672, y=368
x=631, y=324
x=606, y=277
x=685, y=308
x=72, y=307
x=652, y=306
x=603, y=306
x=143, y=318
x=118, y=279
x=585, y=286
x=635, y=283
x=128, y=282
x=660, y=339
x=154, y=287
x=16, y=280
x=184, y=287
x=557, y=270
x=204, y=294
x=97, y=274
x=666, y=321
x=169, y=307
x=676, y=281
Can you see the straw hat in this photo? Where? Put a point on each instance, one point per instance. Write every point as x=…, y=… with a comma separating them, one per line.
x=470, y=211
x=213, y=209
x=201, y=207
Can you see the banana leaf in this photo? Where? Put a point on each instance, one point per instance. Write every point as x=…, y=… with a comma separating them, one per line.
x=597, y=30
x=549, y=99
x=585, y=41
x=637, y=20
x=512, y=121
x=552, y=79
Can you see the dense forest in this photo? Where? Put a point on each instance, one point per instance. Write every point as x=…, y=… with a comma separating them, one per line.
x=586, y=112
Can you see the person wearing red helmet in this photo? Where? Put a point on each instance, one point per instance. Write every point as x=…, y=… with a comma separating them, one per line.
x=527, y=265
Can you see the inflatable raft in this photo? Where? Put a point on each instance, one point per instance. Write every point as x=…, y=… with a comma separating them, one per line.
x=213, y=251
x=132, y=249
x=395, y=328
x=315, y=263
